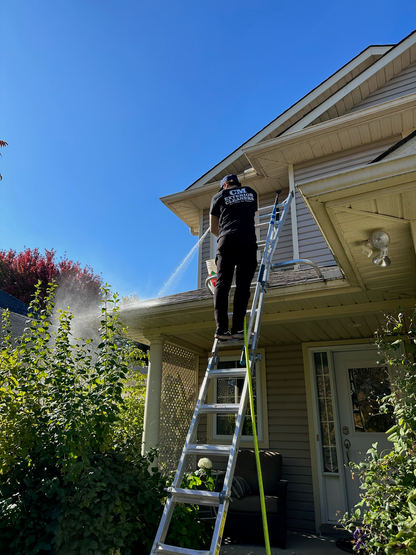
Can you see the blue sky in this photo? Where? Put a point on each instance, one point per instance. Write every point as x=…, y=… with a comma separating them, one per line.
x=107, y=106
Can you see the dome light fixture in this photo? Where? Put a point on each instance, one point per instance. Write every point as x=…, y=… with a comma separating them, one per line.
x=379, y=240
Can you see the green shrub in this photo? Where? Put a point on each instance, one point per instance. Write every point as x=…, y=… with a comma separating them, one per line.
x=72, y=480
x=187, y=529
x=387, y=512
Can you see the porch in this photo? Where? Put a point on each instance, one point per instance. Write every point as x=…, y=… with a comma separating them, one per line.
x=298, y=543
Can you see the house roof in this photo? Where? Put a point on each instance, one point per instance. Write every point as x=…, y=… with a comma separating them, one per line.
x=299, y=307
x=13, y=304
x=376, y=192
x=334, y=101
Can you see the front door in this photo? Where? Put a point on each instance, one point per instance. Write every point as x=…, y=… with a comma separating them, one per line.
x=360, y=383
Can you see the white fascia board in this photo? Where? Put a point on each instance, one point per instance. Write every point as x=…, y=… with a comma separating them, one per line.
x=293, y=110
x=352, y=85
x=376, y=177
x=335, y=125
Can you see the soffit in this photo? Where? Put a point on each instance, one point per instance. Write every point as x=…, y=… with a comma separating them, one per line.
x=320, y=314
x=189, y=204
x=350, y=206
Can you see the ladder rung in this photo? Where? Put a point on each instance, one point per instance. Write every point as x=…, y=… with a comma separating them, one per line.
x=200, y=497
x=228, y=373
x=232, y=343
x=208, y=449
x=229, y=408
x=165, y=549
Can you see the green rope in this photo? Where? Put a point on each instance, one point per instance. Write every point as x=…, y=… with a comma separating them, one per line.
x=256, y=446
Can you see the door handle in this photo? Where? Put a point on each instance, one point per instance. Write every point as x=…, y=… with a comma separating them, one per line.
x=347, y=445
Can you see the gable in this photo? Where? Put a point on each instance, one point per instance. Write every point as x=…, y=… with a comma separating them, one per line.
x=400, y=85
x=368, y=82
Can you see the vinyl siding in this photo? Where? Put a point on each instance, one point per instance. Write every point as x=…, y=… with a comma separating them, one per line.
x=288, y=429
x=289, y=432
x=284, y=249
x=401, y=85
x=312, y=244
x=338, y=163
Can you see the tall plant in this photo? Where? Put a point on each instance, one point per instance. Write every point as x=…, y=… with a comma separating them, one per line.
x=72, y=479
x=387, y=511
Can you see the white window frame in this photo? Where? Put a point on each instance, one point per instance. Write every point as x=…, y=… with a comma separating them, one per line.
x=262, y=414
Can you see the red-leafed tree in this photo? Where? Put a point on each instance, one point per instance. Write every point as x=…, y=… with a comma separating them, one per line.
x=21, y=271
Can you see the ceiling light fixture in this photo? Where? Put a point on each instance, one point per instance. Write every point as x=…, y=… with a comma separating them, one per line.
x=379, y=240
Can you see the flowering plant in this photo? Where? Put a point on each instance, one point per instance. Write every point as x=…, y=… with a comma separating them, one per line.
x=205, y=463
x=359, y=537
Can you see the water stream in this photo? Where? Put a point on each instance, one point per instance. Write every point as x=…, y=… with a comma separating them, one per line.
x=177, y=274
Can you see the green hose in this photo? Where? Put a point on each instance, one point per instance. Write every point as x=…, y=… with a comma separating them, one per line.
x=256, y=446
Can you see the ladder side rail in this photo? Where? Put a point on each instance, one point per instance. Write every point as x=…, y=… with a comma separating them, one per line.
x=164, y=523
x=271, y=226
x=229, y=473
x=272, y=239
x=235, y=444
x=258, y=301
x=255, y=313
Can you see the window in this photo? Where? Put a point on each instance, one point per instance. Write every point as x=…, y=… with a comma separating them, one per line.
x=228, y=390
x=368, y=386
x=326, y=412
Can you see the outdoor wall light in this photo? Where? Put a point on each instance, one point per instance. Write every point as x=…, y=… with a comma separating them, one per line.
x=379, y=240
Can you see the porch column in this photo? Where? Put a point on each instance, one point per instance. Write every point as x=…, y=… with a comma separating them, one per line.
x=151, y=423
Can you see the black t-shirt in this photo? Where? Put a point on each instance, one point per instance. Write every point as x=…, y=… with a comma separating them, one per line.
x=235, y=209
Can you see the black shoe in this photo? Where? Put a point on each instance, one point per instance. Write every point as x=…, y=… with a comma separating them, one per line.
x=239, y=334
x=222, y=336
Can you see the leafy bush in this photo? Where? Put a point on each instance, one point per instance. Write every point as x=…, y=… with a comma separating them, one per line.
x=387, y=512
x=187, y=529
x=72, y=480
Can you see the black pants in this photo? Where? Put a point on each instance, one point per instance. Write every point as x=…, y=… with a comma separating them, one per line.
x=234, y=250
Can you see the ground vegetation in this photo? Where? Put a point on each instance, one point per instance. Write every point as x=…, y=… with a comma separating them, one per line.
x=384, y=522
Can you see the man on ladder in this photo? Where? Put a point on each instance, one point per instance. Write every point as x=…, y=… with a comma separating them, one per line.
x=232, y=221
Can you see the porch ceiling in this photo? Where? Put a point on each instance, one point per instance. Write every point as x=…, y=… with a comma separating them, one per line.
x=350, y=206
x=313, y=311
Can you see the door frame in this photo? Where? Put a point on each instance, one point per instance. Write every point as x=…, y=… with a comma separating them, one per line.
x=320, y=479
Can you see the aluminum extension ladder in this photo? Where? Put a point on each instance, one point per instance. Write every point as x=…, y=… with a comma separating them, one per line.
x=220, y=500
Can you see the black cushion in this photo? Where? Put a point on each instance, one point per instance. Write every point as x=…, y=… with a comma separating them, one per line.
x=239, y=487
x=271, y=465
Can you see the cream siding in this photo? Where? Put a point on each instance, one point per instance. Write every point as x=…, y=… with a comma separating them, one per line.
x=284, y=250
x=401, y=85
x=312, y=245
x=289, y=432
x=338, y=163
